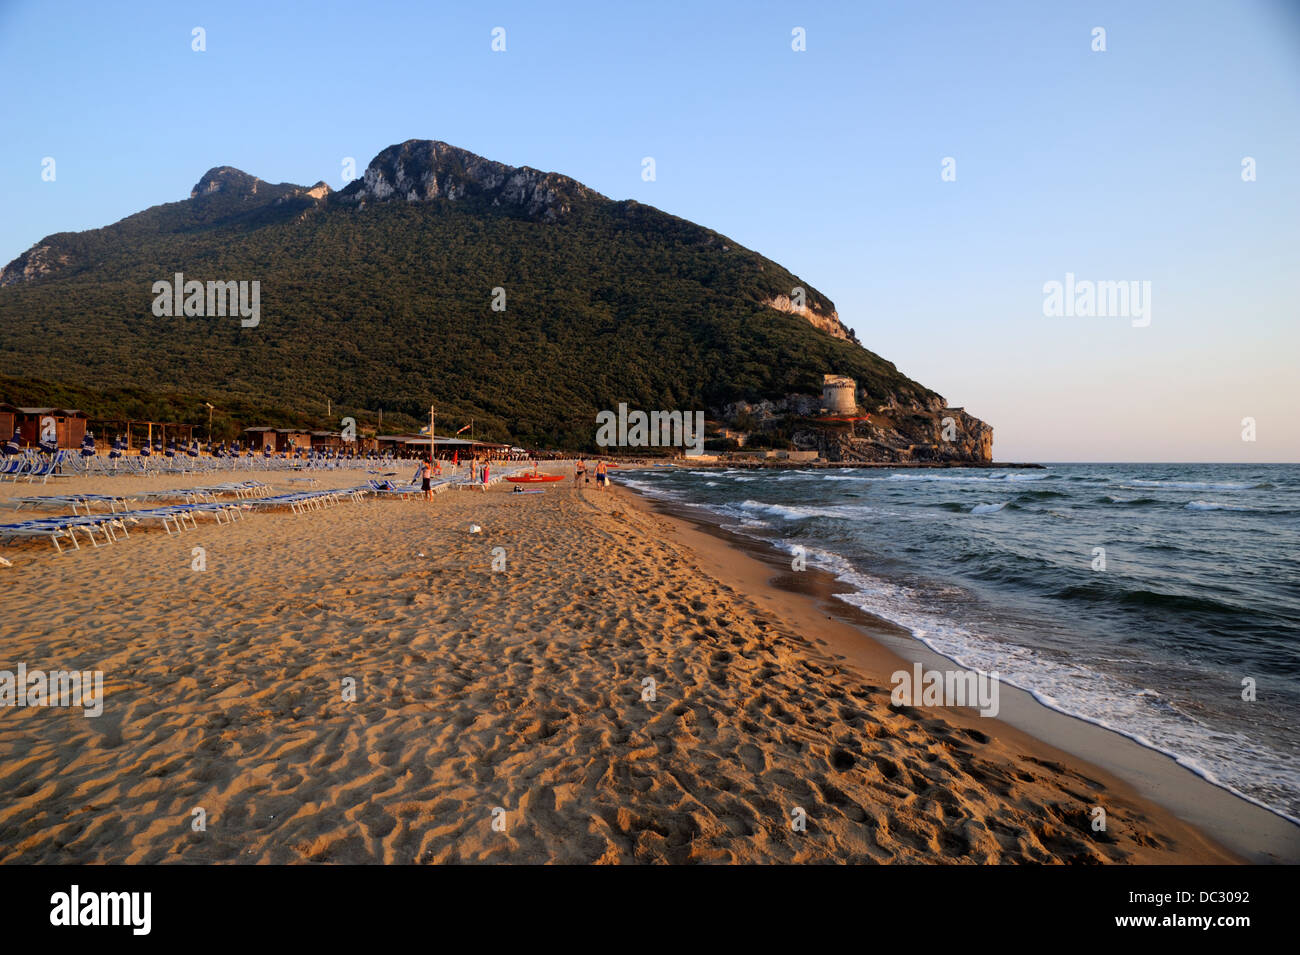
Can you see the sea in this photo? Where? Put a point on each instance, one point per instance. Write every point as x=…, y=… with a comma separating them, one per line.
x=1150, y=599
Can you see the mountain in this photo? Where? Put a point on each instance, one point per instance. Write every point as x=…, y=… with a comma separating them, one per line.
x=381, y=296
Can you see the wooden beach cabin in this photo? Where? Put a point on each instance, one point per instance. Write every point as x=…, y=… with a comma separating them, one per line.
x=277, y=439
x=326, y=441
x=8, y=418
x=67, y=425
x=258, y=439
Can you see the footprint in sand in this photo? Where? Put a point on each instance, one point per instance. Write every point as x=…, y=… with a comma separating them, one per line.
x=752, y=757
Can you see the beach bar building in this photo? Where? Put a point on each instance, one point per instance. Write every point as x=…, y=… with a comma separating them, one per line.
x=66, y=426
x=417, y=445
x=138, y=433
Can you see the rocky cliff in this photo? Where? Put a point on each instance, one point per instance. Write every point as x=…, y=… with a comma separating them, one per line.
x=906, y=431
x=819, y=316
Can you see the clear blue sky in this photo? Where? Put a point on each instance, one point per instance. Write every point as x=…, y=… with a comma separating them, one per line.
x=1122, y=165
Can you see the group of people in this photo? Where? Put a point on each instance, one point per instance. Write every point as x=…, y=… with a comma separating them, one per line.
x=580, y=475
x=479, y=473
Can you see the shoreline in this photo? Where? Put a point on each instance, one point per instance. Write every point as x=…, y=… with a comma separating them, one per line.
x=779, y=464
x=1232, y=821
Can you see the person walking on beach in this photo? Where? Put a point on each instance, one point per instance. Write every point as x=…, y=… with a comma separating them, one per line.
x=427, y=483
x=602, y=475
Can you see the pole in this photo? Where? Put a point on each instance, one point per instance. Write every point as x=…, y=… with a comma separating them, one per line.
x=432, y=418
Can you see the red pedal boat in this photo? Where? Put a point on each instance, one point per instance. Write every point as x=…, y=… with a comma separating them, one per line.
x=534, y=478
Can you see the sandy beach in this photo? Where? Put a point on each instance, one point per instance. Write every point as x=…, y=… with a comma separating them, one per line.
x=499, y=713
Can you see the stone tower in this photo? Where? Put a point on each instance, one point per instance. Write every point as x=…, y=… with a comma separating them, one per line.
x=839, y=394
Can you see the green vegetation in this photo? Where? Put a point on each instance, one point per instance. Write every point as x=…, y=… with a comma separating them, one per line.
x=387, y=306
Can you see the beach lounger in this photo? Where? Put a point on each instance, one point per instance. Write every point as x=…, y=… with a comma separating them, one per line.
x=65, y=528
x=46, y=469
x=381, y=489
x=15, y=466
x=109, y=502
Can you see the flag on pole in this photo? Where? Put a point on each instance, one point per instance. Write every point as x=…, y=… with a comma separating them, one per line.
x=466, y=428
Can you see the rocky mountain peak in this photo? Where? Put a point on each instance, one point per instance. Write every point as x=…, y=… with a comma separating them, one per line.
x=225, y=179
x=421, y=170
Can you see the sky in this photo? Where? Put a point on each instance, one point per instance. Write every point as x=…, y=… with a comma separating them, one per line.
x=1115, y=165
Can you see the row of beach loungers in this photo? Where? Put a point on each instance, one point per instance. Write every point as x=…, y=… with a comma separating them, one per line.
x=35, y=466
x=31, y=467
x=65, y=528
x=113, y=502
x=182, y=463
x=119, y=512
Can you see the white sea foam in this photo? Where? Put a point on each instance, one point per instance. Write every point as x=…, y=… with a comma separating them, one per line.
x=1070, y=687
x=796, y=512
x=651, y=491
x=987, y=508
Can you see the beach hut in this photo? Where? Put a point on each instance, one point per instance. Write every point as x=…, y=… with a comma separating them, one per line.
x=292, y=439
x=8, y=418
x=277, y=439
x=258, y=439
x=327, y=441
x=63, y=426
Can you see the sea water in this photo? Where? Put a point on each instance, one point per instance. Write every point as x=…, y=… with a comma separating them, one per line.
x=1148, y=599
